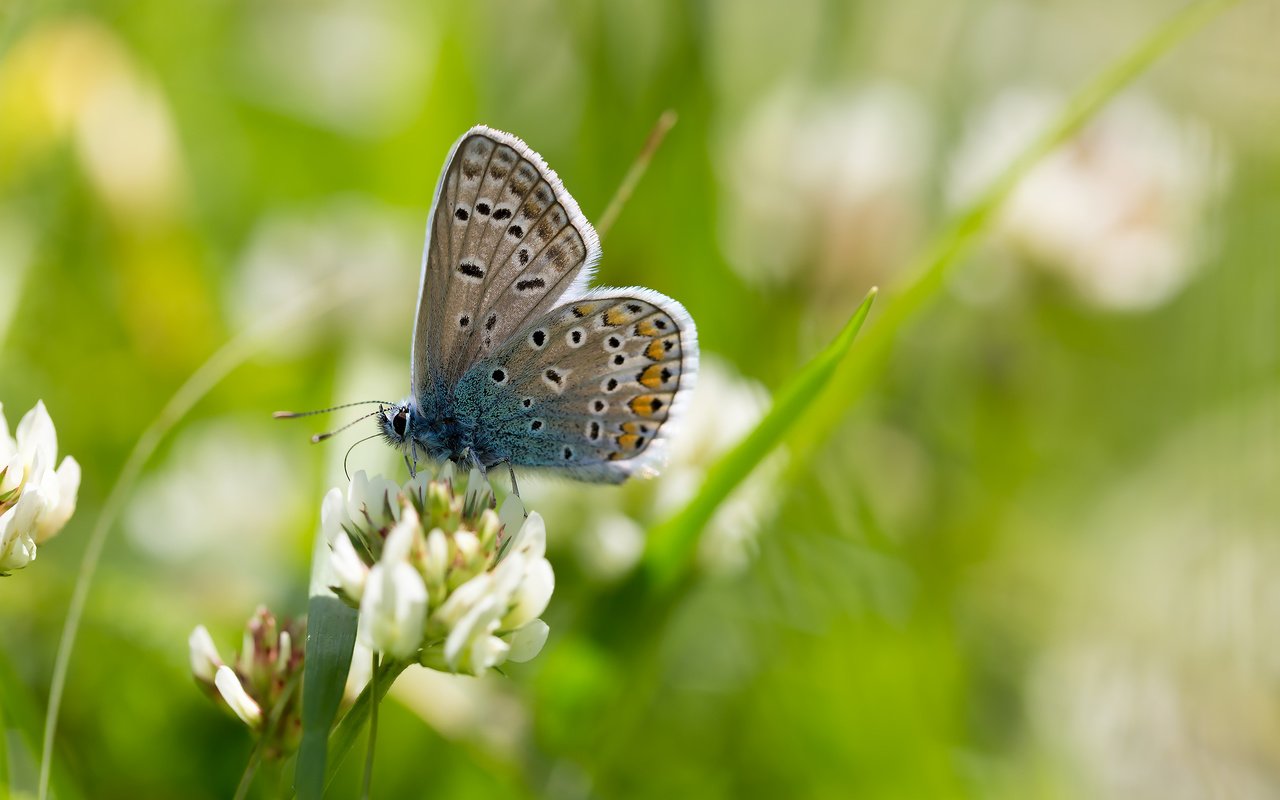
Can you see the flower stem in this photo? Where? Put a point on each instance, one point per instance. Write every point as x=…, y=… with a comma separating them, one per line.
x=629, y=182
x=251, y=768
x=365, y=791
x=348, y=729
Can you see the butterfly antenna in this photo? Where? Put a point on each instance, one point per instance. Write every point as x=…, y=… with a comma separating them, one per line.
x=353, y=447
x=297, y=414
x=320, y=437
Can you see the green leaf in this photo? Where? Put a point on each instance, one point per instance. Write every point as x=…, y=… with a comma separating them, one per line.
x=331, y=637
x=672, y=544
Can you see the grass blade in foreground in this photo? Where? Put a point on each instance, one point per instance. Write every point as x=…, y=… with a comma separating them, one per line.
x=672, y=544
x=331, y=637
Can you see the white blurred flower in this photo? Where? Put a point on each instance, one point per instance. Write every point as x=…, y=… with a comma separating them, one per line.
x=1153, y=636
x=354, y=66
x=36, y=500
x=350, y=572
x=527, y=642
x=449, y=582
x=829, y=183
x=611, y=545
x=204, y=654
x=291, y=251
x=1118, y=212
x=222, y=497
x=266, y=673
x=725, y=408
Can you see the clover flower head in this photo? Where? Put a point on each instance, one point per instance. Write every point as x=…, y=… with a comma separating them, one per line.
x=36, y=500
x=438, y=575
x=263, y=683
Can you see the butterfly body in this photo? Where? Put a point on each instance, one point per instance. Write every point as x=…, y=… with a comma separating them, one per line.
x=514, y=360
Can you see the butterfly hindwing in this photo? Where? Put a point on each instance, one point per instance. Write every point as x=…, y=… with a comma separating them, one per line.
x=590, y=387
x=505, y=241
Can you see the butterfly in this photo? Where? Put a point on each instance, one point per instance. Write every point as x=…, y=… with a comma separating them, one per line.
x=515, y=360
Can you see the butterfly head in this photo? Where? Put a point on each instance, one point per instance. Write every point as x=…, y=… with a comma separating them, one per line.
x=396, y=424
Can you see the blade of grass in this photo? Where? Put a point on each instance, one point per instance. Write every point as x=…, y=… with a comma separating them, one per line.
x=930, y=272
x=666, y=121
x=20, y=729
x=671, y=545
x=238, y=350
x=331, y=637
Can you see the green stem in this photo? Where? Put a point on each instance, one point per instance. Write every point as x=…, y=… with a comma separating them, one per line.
x=366, y=791
x=638, y=167
x=251, y=768
x=348, y=730
x=230, y=356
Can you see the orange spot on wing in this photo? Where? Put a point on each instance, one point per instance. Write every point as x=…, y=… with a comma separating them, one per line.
x=615, y=316
x=654, y=376
x=655, y=351
x=646, y=405
x=646, y=328
x=583, y=309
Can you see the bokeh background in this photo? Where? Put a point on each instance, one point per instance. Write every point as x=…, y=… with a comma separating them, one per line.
x=1035, y=559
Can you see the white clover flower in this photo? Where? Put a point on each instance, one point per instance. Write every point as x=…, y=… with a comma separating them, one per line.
x=267, y=672
x=36, y=500
x=232, y=691
x=1117, y=212
x=437, y=575
x=349, y=571
x=830, y=183
x=394, y=603
x=204, y=654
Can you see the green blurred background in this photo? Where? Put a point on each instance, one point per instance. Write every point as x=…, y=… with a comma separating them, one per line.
x=1036, y=559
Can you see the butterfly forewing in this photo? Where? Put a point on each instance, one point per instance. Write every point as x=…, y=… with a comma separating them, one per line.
x=505, y=242
x=591, y=386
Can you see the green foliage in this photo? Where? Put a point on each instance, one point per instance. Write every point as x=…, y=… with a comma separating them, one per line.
x=331, y=636
x=1013, y=522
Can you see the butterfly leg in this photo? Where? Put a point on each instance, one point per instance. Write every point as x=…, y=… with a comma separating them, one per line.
x=515, y=487
x=412, y=465
x=469, y=456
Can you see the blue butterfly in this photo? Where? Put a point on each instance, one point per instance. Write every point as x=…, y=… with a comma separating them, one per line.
x=515, y=361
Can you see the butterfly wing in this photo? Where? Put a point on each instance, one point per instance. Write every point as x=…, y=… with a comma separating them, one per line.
x=589, y=388
x=504, y=242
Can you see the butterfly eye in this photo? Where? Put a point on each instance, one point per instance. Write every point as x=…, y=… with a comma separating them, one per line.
x=400, y=422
